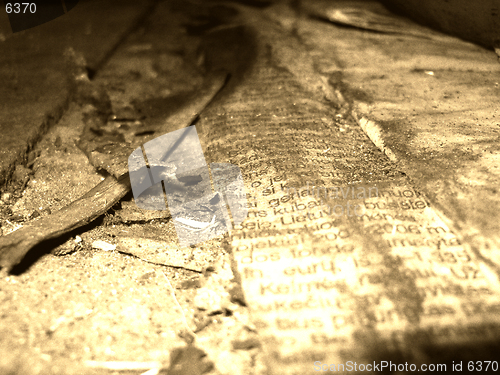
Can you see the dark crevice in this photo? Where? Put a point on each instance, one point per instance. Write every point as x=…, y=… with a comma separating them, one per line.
x=158, y=264
x=93, y=70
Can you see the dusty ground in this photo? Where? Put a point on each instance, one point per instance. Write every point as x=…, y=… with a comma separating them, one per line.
x=89, y=300
x=121, y=288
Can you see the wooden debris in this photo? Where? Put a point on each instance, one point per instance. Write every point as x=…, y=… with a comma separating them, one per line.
x=93, y=204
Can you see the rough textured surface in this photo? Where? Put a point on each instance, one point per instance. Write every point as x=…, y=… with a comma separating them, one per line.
x=35, y=79
x=286, y=286
x=103, y=297
x=326, y=286
x=432, y=106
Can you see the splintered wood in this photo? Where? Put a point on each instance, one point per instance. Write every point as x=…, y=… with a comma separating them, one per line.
x=85, y=209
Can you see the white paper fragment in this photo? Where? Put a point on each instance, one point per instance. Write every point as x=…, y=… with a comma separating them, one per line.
x=103, y=245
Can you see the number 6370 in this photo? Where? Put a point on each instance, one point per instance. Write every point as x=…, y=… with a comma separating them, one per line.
x=18, y=7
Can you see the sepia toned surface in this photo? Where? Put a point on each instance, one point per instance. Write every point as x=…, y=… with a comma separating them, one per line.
x=323, y=281
x=368, y=159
